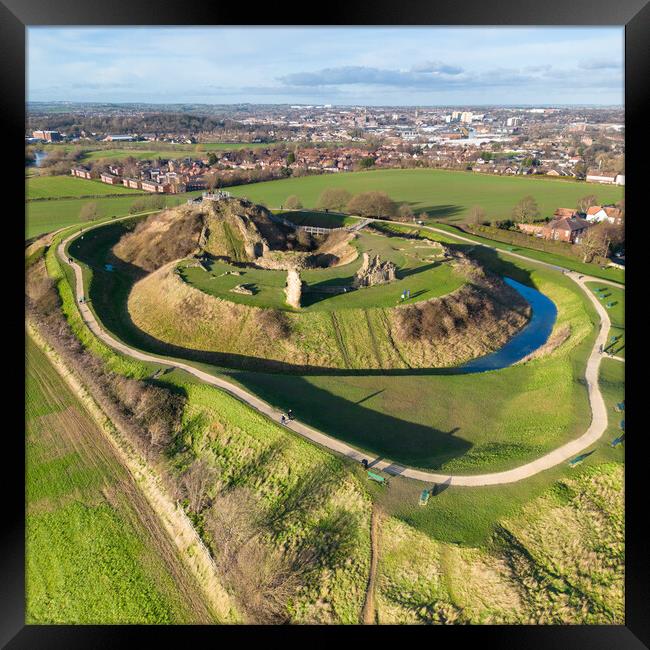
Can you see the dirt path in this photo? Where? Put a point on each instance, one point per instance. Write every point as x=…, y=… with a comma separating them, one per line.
x=369, y=613
x=561, y=454
x=189, y=545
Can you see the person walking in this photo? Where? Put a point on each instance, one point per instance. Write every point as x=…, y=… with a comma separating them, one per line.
x=290, y=414
x=283, y=420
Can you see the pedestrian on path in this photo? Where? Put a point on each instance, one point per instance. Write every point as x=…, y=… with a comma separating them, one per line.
x=601, y=348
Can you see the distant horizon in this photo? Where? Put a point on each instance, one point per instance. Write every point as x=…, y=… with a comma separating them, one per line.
x=342, y=66
x=320, y=105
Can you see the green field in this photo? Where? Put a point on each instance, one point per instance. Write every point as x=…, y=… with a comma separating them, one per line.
x=55, y=187
x=572, y=263
x=317, y=218
x=453, y=560
x=47, y=216
x=442, y=194
x=149, y=151
x=616, y=314
x=416, y=271
x=95, y=552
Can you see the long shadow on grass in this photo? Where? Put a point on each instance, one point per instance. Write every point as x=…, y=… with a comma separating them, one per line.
x=378, y=433
x=109, y=293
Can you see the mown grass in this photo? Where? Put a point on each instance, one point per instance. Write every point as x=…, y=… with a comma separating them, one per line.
x=90, y=556
x=417, y=272
x=317, y=218
x=572, y=263
x=55, y=187
x=442, y=194
x=457, y=423
x=616, y=315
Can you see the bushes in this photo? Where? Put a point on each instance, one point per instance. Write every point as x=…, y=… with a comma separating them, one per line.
x=274, y=323
x=152, y=245
x=334, y=198
x=372, y=204
x=150, y=414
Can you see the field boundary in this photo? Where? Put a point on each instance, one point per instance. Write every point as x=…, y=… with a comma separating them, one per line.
x=191, y=549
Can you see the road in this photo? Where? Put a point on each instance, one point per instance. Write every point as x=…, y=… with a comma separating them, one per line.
x=557, y=456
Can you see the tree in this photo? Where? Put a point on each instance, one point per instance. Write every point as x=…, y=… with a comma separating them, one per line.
x=291, y=158
x=293, y=203
x=595, y=243
x=476, y=215
x=526, y=210
x=196, y=482
x=334, y=198
x=405, y=212
x=366, y=162
x=88, y=212
x=212, y=158
x=372, y=204
x=586, y=202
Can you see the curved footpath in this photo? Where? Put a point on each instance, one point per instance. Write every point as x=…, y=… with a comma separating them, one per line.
x=561, y=454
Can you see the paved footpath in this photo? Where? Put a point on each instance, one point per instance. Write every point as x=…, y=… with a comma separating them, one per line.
x=561, y=454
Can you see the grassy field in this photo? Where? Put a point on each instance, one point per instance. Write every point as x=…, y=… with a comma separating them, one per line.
x=55, y=187
x=442, y=194
x=616, y=314
x=317, y=218
x=572, y=263
x=47, y=216
x=95, y=551
x=556, y=557
x=449, y=561
x=145, y=150
x=416, y=271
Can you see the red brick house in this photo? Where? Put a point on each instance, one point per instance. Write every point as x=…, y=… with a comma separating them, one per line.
x=80, y=172
x=568, y=229
x=110, y=179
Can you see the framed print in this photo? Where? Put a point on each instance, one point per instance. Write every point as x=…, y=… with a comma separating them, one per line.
x=326, y=324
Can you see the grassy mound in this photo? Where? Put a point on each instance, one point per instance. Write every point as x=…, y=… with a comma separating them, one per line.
x=348, y=338
x=559, y=560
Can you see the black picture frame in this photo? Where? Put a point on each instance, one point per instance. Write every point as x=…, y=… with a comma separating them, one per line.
x=16, y=15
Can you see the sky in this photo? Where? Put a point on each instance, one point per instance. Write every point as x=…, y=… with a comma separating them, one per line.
x=373, y=66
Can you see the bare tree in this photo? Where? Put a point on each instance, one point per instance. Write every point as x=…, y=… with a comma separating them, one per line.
x=196, y=482
x=263, y=576
x=293, y=203
x=405, y=212
x=476, y=214
x=595, y=243
x=334, y=198
x=526, y=210
x=372, y=204
x=586, y=202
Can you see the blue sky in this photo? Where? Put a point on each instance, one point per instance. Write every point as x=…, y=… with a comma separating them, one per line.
x=371, y=66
